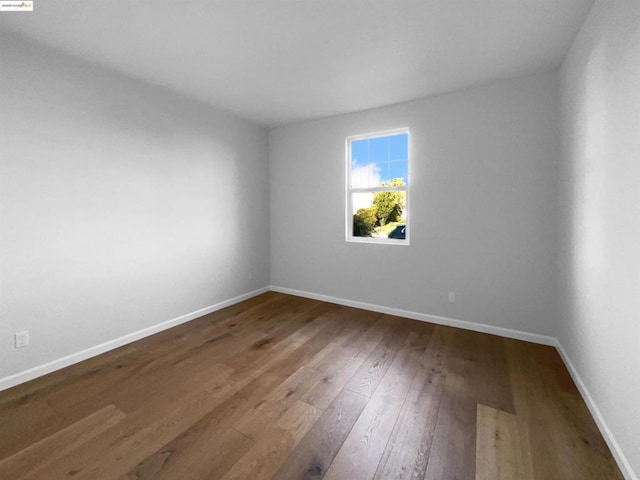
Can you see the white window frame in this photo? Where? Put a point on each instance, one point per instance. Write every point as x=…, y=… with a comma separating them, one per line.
x=349, y=191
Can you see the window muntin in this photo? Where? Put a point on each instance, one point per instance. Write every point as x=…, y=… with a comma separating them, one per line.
x=377, y=187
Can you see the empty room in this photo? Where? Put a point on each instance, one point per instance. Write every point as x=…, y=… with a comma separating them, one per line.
x=300, y=239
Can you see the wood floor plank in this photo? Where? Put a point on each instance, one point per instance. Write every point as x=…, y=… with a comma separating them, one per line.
x=561, y=434
x=37, y=389
x=283, y=332
x=584, y=448
x=139, y=367
x=341, y=368
x=409, y=446
x=252, y=324
x=154, y=347
x=266, y=456
x=95, y=383
x=275, y=404
x=213, y=423
x=533, y=413
x=485, y=356
x=286, y=387
x=453, y=449
x=60, y=443
x=360, y=324
x=27, y=424
x=366, y=379
x=114, y=451
x=362, y=450
x=501, y=452
x=316, y=451
x=132, y=393
x=210, y=424
x=206, y=460
x=247, y=393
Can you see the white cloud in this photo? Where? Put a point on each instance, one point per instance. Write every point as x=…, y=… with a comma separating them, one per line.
x=364, y=176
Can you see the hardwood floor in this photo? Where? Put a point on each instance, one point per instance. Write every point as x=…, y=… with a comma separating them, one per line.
x=289, y=388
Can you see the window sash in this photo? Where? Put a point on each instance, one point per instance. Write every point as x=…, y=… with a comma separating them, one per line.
x=351, y=191
x=399, y=188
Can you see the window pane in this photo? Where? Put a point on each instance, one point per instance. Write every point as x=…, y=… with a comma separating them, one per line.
x=378, y=149
x=365, y=176
x=399, y=147
x=399, y=169
x=364, y=218
x=360, y=152
x=361, y=200
x=383, y=168
x=380, y=215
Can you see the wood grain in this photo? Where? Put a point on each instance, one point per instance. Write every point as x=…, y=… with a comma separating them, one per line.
x=500, y=451
x=60, y=443
x=266, y=456
x=315, y=453
x=286, y=388
x=408, y=449
x=365, y=445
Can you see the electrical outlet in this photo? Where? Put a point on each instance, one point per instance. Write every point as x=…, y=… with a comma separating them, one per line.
x=22, y=338
x=452, y=297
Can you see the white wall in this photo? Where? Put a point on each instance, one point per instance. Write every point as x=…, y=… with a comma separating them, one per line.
x=599, y=325
x=121, y=205
x=483, y=207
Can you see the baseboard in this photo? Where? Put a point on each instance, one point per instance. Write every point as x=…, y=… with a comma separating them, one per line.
x=616, y=451
x=425, y=317
x=30, y=374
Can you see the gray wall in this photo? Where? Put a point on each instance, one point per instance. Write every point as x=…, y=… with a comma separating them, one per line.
x=483, y=207
x=121, y=205
x=599, y=325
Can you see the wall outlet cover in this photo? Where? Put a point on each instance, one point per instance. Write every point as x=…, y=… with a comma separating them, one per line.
x=22, y=339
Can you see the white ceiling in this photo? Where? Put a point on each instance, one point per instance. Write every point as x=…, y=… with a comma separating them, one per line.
x=282, y=61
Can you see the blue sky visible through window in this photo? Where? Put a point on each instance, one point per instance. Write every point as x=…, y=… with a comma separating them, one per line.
x=378, y=160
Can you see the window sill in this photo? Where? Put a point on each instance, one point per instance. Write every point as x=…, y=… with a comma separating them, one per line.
x=378, y=241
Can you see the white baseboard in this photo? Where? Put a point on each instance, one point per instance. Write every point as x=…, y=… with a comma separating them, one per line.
x=425, y=317
x=30, y=374
x=619, y=456
x=621, y=459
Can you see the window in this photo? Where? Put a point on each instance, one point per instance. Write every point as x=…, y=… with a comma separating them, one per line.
x=378, y=187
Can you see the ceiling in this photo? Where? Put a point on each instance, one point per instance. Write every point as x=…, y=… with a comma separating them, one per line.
x=276, y=62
